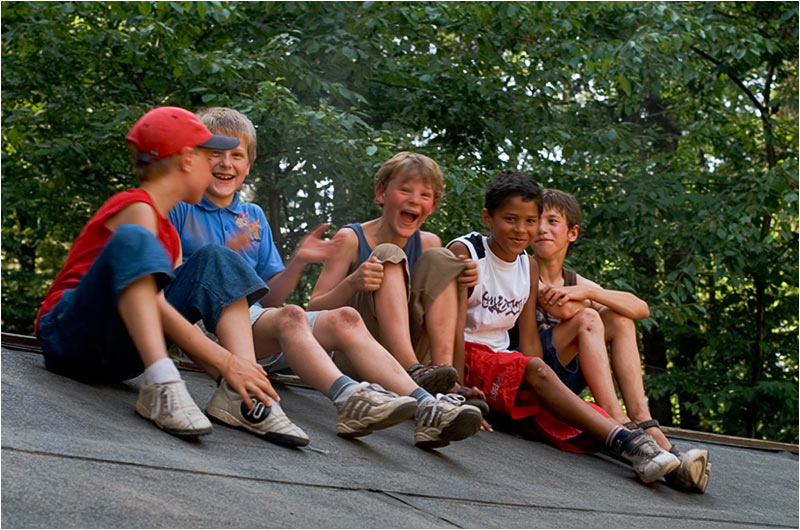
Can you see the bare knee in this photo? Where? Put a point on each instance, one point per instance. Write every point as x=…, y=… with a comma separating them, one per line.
x=614, y=321
x=343, y=318
x=291, y=317
x=589, y=321
x=538, y=374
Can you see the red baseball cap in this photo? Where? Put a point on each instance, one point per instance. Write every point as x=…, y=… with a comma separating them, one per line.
x=164, y=131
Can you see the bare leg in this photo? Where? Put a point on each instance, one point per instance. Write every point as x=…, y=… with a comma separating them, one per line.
x=138, y=309
x=391, y=308
x=563, y=403
x=343, y=330
x=584, y=333
x=620, y=333
x=442, y=316
x=286, y=329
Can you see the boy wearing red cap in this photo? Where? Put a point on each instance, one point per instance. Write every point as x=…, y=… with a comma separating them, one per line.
x=105, y=316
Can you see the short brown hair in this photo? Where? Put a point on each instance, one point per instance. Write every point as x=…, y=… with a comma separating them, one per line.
x=566, y=204
x=406, y=161
x=145, y=166
x=230, y=122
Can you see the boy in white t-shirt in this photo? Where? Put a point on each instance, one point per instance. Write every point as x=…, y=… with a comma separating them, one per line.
x=520, y=385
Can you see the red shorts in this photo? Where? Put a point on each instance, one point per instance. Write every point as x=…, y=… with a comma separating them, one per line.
x=499, y=375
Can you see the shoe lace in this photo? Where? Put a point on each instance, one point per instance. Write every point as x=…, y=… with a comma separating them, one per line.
x=164, y=399
x=643, y=446
x=378, y=389
x=440, y=404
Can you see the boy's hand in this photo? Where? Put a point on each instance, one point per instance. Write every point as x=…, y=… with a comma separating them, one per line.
x=368, y=276
x=314, y=249
x=239, y=241
x=469, y=277
x=247, y=377
x=549, y=295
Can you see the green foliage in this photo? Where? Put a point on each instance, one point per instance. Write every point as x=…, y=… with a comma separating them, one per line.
x=674, y=124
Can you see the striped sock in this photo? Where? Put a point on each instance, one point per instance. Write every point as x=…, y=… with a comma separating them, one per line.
x=615, y=439
x=422, y=396
x=341, y=389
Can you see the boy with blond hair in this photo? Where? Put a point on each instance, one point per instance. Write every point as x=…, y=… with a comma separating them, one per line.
x=404, y=285
x=576, y=318
x=288, y=337
x=123, y=288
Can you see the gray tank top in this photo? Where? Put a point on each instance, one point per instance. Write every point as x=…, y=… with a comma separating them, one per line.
x=544, y=319
x=413, y=248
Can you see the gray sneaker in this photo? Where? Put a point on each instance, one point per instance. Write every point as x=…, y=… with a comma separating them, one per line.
x=371, y=408
x=648, y=460
x=435, y=378
x=444, y=420
x=693, y=472
x=270, y=423
x=172, y=409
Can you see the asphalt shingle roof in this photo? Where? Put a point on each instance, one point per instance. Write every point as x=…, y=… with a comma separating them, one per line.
x=77, y=455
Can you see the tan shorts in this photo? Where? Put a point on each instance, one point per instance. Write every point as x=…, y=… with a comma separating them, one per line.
x=435, y=269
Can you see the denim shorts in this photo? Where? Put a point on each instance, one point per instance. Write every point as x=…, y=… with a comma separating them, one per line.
x=83, y=336
x=571, y=374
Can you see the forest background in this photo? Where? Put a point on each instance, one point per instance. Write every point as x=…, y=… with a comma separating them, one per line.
x=674, y=124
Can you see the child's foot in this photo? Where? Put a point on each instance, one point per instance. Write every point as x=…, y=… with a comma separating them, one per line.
x=371, y=408
x=648, y=460
x=435, y=378
x=172, y=409
x=693, y=472
x=270, y=423
x=444, y=420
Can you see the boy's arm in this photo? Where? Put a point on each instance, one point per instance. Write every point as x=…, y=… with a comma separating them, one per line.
x=244, y=376
x=624, y=303
x=529, y=342
x=312, y=249
x=334, y=287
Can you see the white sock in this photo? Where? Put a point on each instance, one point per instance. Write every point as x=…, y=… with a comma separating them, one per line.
x=161, y=371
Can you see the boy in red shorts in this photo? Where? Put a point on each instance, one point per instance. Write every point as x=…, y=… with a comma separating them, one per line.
x=519, y=384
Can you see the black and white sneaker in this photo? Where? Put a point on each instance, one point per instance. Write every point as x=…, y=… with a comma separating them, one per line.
x=648, y=460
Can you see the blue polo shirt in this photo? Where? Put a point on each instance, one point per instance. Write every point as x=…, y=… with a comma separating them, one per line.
x=205, y=223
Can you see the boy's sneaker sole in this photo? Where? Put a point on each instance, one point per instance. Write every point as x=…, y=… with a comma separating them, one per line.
x=435, y=379
x=693, y=473
x=223, y=417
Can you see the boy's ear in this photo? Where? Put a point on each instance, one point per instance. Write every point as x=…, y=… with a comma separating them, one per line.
x=186, y=158
x=572, y=235
x=380, y=196
x=486, y=217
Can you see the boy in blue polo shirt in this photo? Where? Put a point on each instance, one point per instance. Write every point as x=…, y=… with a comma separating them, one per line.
x=290, y=337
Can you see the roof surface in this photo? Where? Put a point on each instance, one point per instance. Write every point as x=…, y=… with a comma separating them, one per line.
x=77, y=455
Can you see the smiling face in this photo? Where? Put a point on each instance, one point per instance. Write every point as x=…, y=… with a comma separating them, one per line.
x=513, y=227
x=407, y=201
x=554, y=235
x=228, y=169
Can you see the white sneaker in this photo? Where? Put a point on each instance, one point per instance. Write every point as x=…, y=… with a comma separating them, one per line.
x=649, y=461
x=270, y=423
x=444, y=420
x=172, y=409
x=371, y=408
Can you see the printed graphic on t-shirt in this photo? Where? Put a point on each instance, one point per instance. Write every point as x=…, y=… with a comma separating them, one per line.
x=254, y=227
x=501, y=305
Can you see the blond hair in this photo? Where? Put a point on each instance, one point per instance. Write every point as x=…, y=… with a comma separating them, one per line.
x=230, y=122
x=407, y=161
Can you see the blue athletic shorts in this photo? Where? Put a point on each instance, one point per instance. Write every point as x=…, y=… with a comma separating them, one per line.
x=571, y=374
